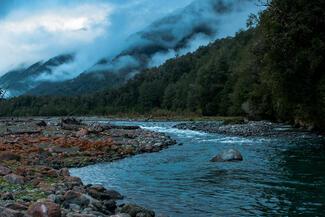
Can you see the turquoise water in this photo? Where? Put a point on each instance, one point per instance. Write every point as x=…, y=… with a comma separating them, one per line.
x=278, y=177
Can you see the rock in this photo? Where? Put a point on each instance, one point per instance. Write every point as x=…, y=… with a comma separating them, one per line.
x=6, y=212
x=7, y=196
x=71, y=121
x=14, y=179
x=17, y=206
x=41, y=124
x=121, y=215
x=4, y=170
x=83, y=132
x=44, y=209
x=110, y=205
x=134, y=210
x=80, y=215
x=142, y=214
x=228, y=156
x=6, y=155
x=100, y=193
x=64, y=172
x=80, y=199
x=72, y=181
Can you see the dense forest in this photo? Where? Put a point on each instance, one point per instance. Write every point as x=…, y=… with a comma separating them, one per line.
x=273, y=70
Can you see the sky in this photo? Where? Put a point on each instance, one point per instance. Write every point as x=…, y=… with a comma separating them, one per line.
x=36, y=30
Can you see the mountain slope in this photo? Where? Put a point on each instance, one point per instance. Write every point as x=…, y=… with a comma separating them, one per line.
x=21, y=80
x=171, y=36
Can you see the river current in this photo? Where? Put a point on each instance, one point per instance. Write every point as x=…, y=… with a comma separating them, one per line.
x=278, y=177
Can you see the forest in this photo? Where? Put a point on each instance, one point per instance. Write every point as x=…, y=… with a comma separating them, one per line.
x=273, y=70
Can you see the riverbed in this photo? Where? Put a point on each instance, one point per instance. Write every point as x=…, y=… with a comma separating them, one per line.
x=279, y=175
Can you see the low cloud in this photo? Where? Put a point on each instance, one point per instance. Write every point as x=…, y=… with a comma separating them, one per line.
x=38, y=30
x=128, y=36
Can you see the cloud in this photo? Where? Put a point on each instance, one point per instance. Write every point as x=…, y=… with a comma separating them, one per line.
x=185, y=30
x=129, y=34
x=28, y=37
x=40, y=29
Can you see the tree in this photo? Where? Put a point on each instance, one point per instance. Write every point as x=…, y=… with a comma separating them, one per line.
x=2, y=93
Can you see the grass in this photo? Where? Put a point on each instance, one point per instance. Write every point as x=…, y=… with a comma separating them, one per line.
x=25, y=192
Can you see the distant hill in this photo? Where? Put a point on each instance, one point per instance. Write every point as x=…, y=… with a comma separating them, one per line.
x=21, y=80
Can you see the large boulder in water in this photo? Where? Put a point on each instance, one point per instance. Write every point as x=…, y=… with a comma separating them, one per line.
x=228, y=156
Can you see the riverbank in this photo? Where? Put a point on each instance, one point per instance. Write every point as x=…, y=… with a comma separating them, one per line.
x=35, y=155
x=245, y=128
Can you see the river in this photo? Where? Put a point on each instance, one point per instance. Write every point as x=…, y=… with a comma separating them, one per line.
x=279, y=176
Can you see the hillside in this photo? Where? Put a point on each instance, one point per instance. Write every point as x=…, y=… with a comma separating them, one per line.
x=169, y=36
x=21, y=80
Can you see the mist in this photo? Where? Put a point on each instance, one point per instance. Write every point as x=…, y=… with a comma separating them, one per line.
x=113, y=36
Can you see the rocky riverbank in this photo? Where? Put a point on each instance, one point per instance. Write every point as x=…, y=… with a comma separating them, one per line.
x=35, y=155
x=245, y=129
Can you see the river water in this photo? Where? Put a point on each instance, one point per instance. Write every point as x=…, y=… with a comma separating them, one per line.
x=278, y=177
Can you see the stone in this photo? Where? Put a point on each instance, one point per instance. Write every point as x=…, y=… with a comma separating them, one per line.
x=228, y=156
x=100, y=193
x=133, y=210
x=121, y=215
x=72, y=181
x=41, y=124
x=14, y=179
x=80, y=199
x=64, y=172
x=143, y=214
x=17, y=206
x=7, y=196
x=7, y=212
x=110, y=205
x=4, y=170
x=44, y=209
x=7, y=155
x=83, y=132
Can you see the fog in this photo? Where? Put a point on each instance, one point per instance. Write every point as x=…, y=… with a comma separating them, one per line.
x=124, y=35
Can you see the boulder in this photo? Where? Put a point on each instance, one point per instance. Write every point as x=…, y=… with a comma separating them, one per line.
x=121, y=215
x=83, y=132
x=100, y=193
x=110, y=205
x=72, y=181
x=44, y=209
x=7, y=212
x=4, y=170
x=72, y=121
x=7, y=155
x=64, y=172
x=228, y=156
x=7, y=196
x=14, y=179
x=78, y=198
x=17, y=206
x=137, y=211
x=41, y=124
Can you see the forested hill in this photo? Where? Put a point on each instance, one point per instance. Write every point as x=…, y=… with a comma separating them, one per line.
x=274, y=71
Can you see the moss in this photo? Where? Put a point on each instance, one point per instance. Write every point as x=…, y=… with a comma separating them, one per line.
x=26, y=192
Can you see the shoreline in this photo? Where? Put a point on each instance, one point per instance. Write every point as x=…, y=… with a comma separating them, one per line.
x=36, y=152
x=35, y=155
